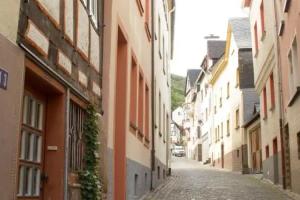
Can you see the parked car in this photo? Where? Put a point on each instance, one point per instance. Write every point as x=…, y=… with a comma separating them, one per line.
x=178, y=151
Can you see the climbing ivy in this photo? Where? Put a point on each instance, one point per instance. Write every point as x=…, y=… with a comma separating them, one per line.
x=89, y=176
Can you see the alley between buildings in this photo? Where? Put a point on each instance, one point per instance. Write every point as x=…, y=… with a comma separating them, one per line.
x=191, y=180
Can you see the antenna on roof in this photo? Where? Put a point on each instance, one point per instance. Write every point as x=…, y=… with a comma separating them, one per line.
x=211, y=36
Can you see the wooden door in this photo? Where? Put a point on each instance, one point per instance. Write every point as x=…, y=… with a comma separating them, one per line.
x=30, y=178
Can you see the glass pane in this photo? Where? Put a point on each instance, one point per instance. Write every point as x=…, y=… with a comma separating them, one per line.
x=29, y=111
x=29, y=181
x=33, y=185
x=31, y=148
x=35, y=148
x=37, y=115
x=21, y=181
x=39, y=149
x=41, y=116
x=27, y=146
x=23, y=143
x=38, y=182
x=33, y=113
x=25, y=182
x=25, y=109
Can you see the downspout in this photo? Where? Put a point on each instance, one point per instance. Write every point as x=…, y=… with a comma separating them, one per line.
x=152, y=97
x=281, y=107
x=67, y=103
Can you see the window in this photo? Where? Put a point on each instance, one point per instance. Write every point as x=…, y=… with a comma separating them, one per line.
x=255, y=38
x=158, y=172
x=228, y=127
x=159, y=37
x=206, y=114
x=167, y=127
x=262, y=17
x=148, y=13
x=228, y=89
x=221, y=98
x=94, y=11
x=218, y=132
x=216, y=135
x=147, y=113
x=133, y=95
x=136, y=178
x=198, y=132
x=298, y=141
x=164, y=123
x=237, y=78
x=159, y=114
x=238, y=153
x=294, y=65
x=164, y=57
x=221, y=130
x=275, y=147
x=237, y=118
x=272, y=90
x=141, y=105
x=267, y=151
x=77, y=115
x=265, y=106
x=31, y=147
x=198, y=87
x=201, y=95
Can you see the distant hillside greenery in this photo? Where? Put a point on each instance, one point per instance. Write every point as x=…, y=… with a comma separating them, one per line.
x=177, y=90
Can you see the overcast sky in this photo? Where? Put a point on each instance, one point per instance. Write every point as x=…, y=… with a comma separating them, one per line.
x=194, y=20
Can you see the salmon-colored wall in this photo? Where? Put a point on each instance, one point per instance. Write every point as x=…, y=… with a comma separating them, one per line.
x=291, y=30
x=12, y=61
x=120, y=119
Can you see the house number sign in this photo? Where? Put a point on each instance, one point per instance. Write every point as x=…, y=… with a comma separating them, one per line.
x=3, y=79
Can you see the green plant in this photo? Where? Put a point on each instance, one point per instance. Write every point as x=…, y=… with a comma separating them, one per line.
x=89, y=177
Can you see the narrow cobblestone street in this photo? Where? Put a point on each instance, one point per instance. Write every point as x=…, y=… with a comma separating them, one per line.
x=193, y=181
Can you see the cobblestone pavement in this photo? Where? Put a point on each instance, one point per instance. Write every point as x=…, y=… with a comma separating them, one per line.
x=193, y=181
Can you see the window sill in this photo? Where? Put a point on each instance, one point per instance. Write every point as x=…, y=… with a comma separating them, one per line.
x=265, y=118
x=148, y=32
x=140, y=135
x=159, y=134
x=133, y=126
x=237, y=127
x=140, y=7
x=294, y=97
x=272, y=108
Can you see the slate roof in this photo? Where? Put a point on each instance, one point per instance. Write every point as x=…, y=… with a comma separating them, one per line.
x=192, y=75
x=215, y=48
x=241, y=32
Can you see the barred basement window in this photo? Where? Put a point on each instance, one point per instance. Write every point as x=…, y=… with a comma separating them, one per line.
x=76, y=149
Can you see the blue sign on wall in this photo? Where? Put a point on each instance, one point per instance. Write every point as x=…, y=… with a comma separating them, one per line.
x=3, y=79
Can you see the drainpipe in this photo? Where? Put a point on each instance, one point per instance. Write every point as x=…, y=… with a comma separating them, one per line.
x=152, y=97
x=281, y=106
x=67, y=103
